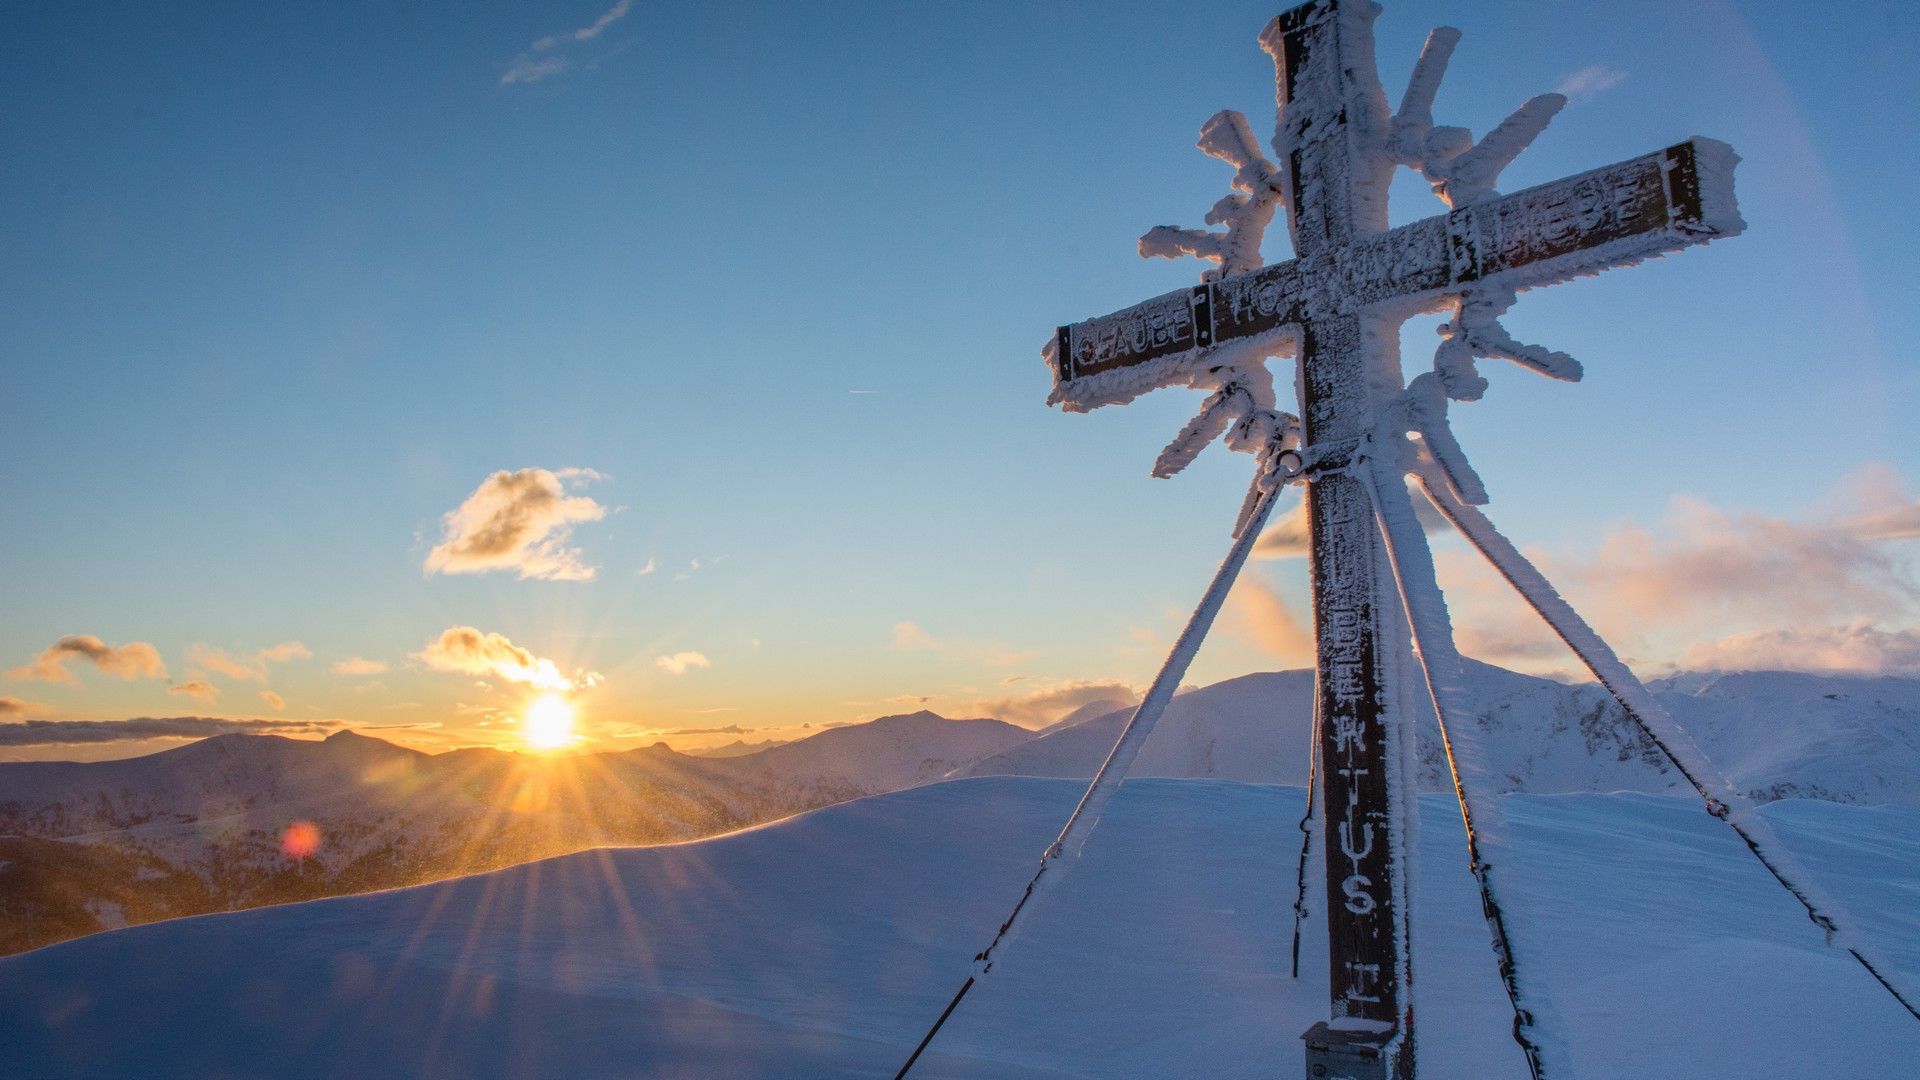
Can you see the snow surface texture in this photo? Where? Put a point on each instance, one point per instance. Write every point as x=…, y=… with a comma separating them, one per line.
x=819, y=946
x=1066, y=848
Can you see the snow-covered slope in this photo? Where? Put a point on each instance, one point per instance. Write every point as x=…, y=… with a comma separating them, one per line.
x=823, y=945
x=1775, y=735
x=200, y=828
x=1785, y=734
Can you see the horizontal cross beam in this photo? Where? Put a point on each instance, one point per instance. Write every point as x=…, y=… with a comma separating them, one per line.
x=1613, y=216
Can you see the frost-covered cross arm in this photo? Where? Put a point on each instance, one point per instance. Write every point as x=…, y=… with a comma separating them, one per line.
x=1613, y=216
x=1610, y=217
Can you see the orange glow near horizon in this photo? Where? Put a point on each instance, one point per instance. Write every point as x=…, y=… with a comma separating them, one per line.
x=549, y=723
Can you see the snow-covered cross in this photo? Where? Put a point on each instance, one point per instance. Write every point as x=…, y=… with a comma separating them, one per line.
x=1338, y=305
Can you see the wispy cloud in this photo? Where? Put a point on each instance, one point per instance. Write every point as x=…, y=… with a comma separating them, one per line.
x=694, y=566
x=197, y=689
x=730, y=729
x=682, y=662
x=359, y=665
x=1859, y=648
x=13, y=706
x=555, y=53
x=1050, y=703
x=910, y=636
x=1702, y=587
x=1257, y=612
x=134, y=660
x=74, y=732
x=465, y=650
x=274, y=701
x=1710, y=587
x=519, y=521
x=250, y=666
x=1590, y=80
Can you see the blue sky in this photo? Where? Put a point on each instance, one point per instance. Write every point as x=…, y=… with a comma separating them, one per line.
x=287, y=283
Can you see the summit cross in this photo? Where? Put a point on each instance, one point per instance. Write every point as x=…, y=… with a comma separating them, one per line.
x=1337, y=305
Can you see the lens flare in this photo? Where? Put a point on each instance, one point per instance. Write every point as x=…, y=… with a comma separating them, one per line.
x=549, y=723
x=300, y=841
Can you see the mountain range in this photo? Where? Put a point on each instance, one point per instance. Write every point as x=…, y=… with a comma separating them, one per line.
x=206, y=827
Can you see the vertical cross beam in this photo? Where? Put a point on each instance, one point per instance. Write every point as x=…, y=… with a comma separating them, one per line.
x=1370, y=1036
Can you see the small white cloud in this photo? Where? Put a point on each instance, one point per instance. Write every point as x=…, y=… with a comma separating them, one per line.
x=134, y=660
x=649, y=568
x=197, y=689
x=912, y=637
x=1590, y=80
x=682, y=662
x=519, y=521
x=551, y=55
x=465, y=650
x=531, y=69
x=251, y=666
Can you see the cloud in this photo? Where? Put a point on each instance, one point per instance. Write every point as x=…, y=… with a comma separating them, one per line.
x=730, y=729
x=74, y=732
x=253, y=666
x=1702, y=586
x=912, y=637
x=519, y=521
x=359, y=665
x=1706, y=564
x=274, y=701
x=548, y=56
x=1050, y=703
x=1893, y=523
x=1731, y=579
x=694, y=566
x=1286, y=538
x=1857, y=648
x=681, y=662
x=467, y=651
x=1590, y=80
x=13, y=706
x=197, y=689
x=134, y=660
x=1257, y=611
x=649, y=568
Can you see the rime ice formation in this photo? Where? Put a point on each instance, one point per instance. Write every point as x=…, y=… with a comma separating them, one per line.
x=1339, y=303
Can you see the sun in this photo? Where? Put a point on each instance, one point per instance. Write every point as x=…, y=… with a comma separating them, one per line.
x=549, y=723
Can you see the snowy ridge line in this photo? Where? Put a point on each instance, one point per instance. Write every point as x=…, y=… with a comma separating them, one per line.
x=1533, y=1010
x=1651, y=718
x=1106, y=783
